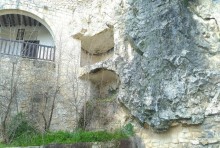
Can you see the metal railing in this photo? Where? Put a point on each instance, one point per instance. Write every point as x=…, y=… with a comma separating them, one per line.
x=26, y=49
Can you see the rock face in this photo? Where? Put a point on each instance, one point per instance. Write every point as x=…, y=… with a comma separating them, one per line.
x=174, y=76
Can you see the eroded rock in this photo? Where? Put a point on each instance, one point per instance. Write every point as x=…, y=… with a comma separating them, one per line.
x=174, y=79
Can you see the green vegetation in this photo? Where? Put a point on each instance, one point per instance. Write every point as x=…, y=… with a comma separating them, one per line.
x=2, y=145
x=61, y=137
x=107, y=99
x=20, y=125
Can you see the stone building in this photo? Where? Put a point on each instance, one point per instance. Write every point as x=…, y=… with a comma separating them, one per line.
x=152, y=63
x=52, y=56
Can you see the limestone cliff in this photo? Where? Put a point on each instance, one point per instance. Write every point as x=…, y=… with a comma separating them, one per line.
x=174, y=75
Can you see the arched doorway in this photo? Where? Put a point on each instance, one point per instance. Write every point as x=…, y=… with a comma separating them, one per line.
x=24, y=36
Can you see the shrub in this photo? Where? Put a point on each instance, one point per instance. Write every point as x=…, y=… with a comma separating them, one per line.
x=20, y=126
x=128, y=129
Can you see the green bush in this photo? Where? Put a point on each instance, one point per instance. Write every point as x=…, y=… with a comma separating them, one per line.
x=128, y=129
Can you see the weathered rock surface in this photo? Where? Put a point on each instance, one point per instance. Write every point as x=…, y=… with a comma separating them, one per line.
x=174, y=76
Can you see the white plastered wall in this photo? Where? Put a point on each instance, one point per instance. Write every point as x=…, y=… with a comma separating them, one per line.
x=31, y=33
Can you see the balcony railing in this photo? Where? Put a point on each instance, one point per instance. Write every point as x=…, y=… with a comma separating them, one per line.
x=27, y=49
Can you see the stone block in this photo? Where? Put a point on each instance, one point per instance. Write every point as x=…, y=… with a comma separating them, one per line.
x=175, y=141
x=209, y=141
x=194, y=142
x=172, y=145
x=197, y=134
x=183, y=140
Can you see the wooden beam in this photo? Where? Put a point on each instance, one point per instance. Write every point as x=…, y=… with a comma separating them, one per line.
x=24, y=20
x=32, y=22
x=12, y=18
x=1, y=21
x=16, y=19
x=4, y=20
x=19, y=19
x=8, y=19
x=29, y=19
x=35, y=22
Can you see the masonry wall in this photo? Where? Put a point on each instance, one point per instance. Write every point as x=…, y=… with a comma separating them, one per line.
x=31, y=83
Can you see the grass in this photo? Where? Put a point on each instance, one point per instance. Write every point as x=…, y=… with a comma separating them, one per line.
x=2, y=145
x=62, y=137
x=22, y=133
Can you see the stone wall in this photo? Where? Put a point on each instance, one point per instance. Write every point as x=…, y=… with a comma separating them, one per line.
x=29, y=85
x=182, y=135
